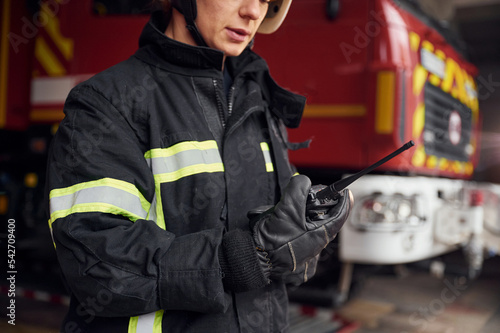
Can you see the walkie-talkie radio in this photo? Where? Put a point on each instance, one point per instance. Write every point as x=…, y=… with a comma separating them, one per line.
x=321, y=197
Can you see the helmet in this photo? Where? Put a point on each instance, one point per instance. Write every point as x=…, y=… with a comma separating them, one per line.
x=275, y=16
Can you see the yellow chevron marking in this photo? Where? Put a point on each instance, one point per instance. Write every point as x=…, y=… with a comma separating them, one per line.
x=419, y=120
x=414, y=41
x=47, y=58
x=418, y=158
x=65, y=45
x=419, y=77
x=432, y=161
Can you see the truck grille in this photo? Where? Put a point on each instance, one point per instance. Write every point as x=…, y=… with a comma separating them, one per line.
x=448, y=125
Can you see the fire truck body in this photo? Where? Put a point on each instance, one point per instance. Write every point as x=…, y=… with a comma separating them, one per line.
x=376, y=74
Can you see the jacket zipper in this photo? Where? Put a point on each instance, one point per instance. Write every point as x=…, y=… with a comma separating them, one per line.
x=220, y=106
x=230, y=100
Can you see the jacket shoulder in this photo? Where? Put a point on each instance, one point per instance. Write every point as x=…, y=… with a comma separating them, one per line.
x=125, y=86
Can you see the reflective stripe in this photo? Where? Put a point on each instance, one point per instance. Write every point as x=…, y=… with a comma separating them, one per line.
x=189, y=171
x=105, y=195
x=132, y=324
x=47, y=58
x=384, y=111
x=147, y=323
x=267, y=156
x=180, y=147
x=178, y=161
x=184, y=159
x=53, y=28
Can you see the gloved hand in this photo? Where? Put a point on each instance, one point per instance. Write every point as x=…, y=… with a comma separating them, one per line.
x=302, y=273
x=288, y=241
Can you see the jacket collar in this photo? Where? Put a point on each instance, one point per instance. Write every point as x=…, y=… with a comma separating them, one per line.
x=283, y=103
x=175, y=52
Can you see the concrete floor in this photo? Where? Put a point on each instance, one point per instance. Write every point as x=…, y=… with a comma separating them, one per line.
x=409, y=300
x=420, y=303
x=406, y=301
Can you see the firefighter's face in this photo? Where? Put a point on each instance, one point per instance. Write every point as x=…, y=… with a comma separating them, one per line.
x=229, y=25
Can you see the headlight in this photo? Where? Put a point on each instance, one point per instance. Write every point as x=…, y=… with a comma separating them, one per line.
x=386, y=212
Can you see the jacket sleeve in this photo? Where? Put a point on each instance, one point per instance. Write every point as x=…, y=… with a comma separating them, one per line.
x=101, y=191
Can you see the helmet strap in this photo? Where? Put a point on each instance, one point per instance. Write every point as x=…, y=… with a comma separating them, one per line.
x=188, y=9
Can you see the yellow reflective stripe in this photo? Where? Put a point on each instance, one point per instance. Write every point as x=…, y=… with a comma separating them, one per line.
x=105, y=195
x=146, y=323
x=189, y=171
x=184, y=159
x=157, y=323
x=94, y=208
x=180, y=147
x=157, y=207
x=132, y=324
x=267, y=156
x=109, y=182
x=181, y=160
x=384, y=113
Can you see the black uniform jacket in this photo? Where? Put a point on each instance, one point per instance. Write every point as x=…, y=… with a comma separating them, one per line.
x=152, y=164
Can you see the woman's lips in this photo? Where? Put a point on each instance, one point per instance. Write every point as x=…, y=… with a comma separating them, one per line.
x=237, y=35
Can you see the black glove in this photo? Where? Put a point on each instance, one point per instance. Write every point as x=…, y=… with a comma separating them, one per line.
x=302, y=273
x=287, y=240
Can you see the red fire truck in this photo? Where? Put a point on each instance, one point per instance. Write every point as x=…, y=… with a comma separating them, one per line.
x=376, y=73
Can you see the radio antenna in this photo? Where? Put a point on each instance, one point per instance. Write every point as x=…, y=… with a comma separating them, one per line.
x=332, y=192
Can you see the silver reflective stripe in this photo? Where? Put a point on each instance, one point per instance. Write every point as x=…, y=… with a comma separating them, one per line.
x=267, y=156
x=152, y=210
x=184, y=159
x=181, y=160
x=105, y=195
x=146, y=323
